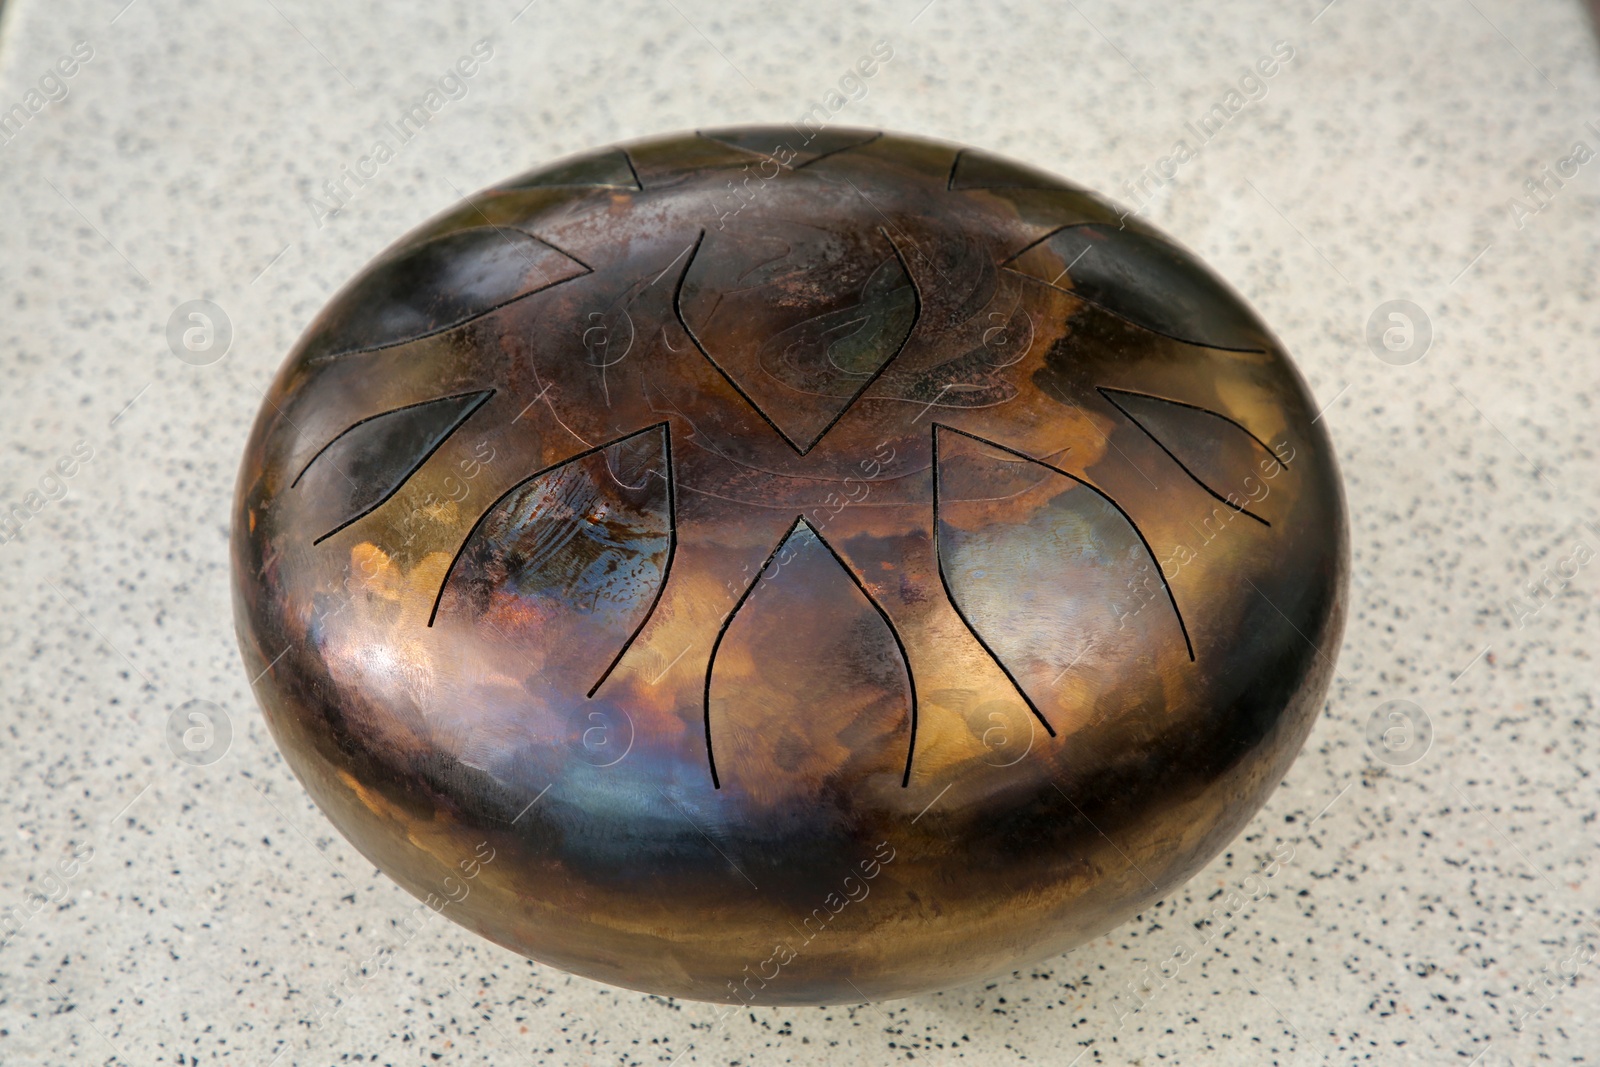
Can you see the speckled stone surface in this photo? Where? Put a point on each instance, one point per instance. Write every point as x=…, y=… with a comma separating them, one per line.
x=1421, y=889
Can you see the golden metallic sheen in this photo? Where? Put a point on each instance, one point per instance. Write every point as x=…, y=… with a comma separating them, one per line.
x=788, y=566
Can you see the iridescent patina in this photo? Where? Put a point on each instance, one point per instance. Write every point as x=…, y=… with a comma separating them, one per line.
x=788, y=566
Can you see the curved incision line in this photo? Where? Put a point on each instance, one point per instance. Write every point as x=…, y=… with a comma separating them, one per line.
x=1173, y=600
x=700, y=441
x=836, y=151
x=1106, y=392
x=475, y=316
x=711, y=758
x=905, y=660
x=666, y=570
x=950, y=595
x=1005, y=264
x=484, y=393
x=501, y=232
x=1193, y=407
x=916, y=317
x=1031, y=245
x=677, y=308
x=483, y=398
x=722, y=632
x=490, y=510
x=950, y=181
x=702, y=134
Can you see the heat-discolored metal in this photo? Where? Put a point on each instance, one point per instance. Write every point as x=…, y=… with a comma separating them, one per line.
x=783, y=566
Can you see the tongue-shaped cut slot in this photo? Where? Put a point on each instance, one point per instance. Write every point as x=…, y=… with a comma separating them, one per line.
x=569, y=563
x=799, y=319
x=807, y=690
x=1055, y=580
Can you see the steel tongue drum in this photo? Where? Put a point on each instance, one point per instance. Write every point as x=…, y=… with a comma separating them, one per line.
x=786, y=566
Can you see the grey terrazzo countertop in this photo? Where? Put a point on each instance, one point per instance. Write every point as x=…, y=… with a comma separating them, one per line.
x=1439, y=900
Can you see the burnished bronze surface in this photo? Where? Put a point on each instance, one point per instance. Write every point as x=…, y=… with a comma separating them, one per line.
x=780, y=570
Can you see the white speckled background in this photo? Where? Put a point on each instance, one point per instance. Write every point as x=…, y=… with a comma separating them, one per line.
x=1441, y=911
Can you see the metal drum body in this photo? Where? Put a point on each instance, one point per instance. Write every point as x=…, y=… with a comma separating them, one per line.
x=788, y=566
